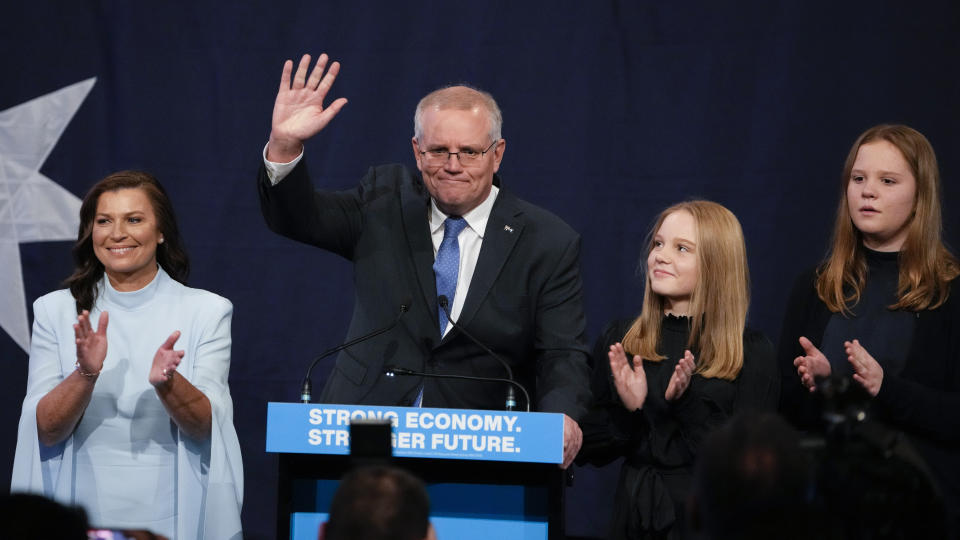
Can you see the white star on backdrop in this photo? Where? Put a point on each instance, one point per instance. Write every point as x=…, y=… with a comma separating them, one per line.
x=33, y=208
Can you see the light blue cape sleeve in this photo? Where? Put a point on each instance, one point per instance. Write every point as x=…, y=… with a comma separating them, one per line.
x=38, y=468
x=209, y=488
x=215, y=475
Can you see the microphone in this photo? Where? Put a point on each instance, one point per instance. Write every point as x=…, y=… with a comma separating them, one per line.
x=511, y=403
x=393, y=371
x=307, y=388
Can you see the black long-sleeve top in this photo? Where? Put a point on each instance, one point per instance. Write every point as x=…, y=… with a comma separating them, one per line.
x=922, y=400
x=661, y=441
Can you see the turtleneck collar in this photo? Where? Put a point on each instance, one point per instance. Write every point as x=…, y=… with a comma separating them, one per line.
x=673, y=322
x=880, y=256
x=132, y=300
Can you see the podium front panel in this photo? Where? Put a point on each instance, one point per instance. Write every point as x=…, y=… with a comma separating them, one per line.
x=489, y=474
x=514, y=436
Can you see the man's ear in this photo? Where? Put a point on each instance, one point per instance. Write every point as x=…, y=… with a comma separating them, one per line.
x=323, y=531
x=431, y=533
x=416, y=152
x=498, y=153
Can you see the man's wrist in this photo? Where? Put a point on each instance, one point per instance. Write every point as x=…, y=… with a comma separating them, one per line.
x=283, y=150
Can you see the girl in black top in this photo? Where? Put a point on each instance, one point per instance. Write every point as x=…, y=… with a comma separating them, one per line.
x=879, y=309
x=682, y=367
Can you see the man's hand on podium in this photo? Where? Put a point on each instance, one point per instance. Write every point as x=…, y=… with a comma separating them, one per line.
x=572, y=440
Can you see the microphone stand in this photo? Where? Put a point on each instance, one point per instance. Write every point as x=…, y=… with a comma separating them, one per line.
x=307, y=388
x=392, y=371
x=511, y=401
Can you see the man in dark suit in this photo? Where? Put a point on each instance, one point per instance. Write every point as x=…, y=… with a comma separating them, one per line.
x=508, y=270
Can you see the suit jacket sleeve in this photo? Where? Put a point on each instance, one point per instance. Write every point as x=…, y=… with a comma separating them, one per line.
x=563, y=378
x=326, y=219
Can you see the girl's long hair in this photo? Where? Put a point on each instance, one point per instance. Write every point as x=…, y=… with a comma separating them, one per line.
x=926, y=265
x=718, y=304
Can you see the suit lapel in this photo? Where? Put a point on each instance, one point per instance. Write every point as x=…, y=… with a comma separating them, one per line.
x=417, y=230
x=503, y=230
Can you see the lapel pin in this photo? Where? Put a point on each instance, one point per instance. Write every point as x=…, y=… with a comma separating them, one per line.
x=508, y=228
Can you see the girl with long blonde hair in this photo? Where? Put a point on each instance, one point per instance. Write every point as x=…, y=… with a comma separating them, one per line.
x=682, y=367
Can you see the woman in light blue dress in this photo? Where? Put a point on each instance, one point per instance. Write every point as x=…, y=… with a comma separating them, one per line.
x=128, y=413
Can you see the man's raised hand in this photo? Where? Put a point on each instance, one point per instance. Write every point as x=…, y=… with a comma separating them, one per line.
x=298, y=112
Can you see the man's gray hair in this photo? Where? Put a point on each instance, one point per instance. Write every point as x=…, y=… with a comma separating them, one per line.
x=459, y=97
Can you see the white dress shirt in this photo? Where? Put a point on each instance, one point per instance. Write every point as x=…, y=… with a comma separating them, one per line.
x=470, y=239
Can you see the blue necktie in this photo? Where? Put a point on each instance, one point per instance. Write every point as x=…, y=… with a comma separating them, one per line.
x=446, y=269
x=447, y=266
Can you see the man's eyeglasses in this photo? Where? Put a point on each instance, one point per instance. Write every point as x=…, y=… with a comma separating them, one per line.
x=466, y=156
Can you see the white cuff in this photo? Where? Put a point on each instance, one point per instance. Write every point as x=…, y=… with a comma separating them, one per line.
x=278, y=171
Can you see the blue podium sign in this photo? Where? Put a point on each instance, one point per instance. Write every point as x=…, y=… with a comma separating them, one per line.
x=305, y=428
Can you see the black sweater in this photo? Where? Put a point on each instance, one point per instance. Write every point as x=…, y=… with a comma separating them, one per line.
x=661, y=441
x=923, y=400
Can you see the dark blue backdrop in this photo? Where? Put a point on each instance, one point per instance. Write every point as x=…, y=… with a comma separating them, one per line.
x=613, y=110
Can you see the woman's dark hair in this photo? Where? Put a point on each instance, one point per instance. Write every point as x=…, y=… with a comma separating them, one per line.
x=88, y=270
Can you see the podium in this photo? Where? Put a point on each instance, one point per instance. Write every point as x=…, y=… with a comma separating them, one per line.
x=490, y=474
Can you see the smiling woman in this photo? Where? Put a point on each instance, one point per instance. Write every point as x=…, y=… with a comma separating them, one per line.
x=137, y=433
x=125, y=238
x=128, y=209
